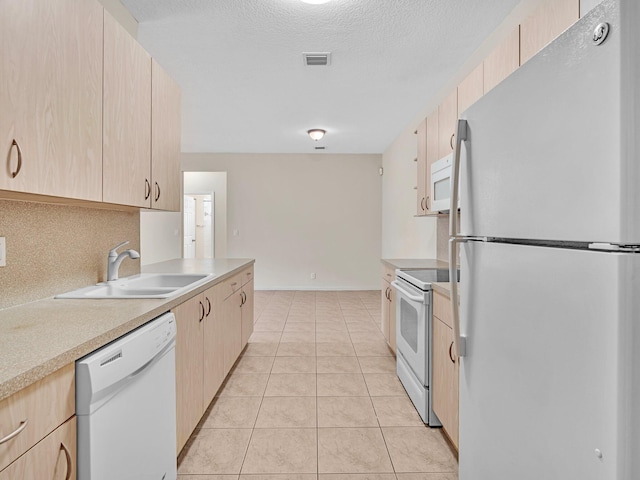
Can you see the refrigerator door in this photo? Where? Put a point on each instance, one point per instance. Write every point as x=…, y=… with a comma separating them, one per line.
x=552, y=152
x=549, y=385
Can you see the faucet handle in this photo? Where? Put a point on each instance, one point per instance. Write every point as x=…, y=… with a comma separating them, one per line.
x=113, y=252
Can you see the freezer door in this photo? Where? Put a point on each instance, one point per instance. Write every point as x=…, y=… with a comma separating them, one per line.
x=548, y=388
x=552, y=151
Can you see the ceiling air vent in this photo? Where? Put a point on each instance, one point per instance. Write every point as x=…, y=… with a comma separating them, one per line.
x=320, y=59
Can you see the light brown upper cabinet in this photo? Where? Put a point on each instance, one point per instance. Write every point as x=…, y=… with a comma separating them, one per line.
x=471, y=89
x=447, y=116
x=165, y=140
x=127, y=118
x=433, y=154
x=502, y=61
x=422, y=168
x=51, y=98
x=549, y=20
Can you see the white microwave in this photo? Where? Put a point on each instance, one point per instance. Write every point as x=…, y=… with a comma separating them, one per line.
x=441, y=173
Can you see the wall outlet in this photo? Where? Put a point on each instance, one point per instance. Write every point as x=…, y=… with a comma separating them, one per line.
x=236, y=233
x=3, y=252
x=313, y=276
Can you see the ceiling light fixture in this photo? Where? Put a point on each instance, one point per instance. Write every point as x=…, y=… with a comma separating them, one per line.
x=316, y=133
x=316, y=2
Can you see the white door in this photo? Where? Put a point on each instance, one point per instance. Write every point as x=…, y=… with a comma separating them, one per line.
x=189, y=218
x=546, y=385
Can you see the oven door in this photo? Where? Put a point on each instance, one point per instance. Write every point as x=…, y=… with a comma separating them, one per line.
x=412, y=311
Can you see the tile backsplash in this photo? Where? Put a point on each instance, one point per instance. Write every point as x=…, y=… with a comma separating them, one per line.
x=53, y=249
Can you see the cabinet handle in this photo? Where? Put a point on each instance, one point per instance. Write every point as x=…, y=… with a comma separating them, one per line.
x=16, y=432
x=426, y=203
x=234, y=284
x=15, y=144
x=422, y=204
x=201, y=312
x=208, y=306
x=147, y=189
x=451, y=353
x=69, y=463
x=453, y=136
x=157, y=191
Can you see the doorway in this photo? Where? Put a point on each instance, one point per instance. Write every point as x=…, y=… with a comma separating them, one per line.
x=199, y=225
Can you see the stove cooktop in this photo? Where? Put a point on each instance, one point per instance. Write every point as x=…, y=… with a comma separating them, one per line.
x=423, y=279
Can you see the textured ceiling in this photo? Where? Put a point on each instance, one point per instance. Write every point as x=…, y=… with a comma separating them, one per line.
x=245, y=87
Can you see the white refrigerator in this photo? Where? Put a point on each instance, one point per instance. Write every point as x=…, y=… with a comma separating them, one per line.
x=549, y=237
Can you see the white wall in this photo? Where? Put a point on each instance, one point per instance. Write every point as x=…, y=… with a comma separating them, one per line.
x=404, y=235
x=216, y=183
x=160, y=236
x=297, y=214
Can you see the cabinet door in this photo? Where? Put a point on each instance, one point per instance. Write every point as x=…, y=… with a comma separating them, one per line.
x=247, y=313
x=392, y=319
x=232, y=321
x=447, y=116
x=471, y=89
x=548, y=21
x=384, y=321
x=445, y=379
x=433, y=155
x=51, y=97
x=213, y=347
x=422, y=168
x=165, y=140
x=127, y=118
x=189, y=367
x=53, y=458
x=502, y=61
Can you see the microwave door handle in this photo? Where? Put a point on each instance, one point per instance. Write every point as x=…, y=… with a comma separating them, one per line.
x=459, y=343
x=415, y=298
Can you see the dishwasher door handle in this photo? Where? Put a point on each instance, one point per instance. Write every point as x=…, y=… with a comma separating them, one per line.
x=415, y=298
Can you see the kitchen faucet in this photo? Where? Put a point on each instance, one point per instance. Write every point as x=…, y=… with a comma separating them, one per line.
x=115, y=260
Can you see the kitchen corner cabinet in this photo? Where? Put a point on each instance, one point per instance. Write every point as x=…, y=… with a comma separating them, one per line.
x=46, y=446
x=446, y=369
x=165, y=140
x=388, y=298
x=127, y=118
x=423, y=181
x=447, y=117
x=51, y=98
x=549, y=20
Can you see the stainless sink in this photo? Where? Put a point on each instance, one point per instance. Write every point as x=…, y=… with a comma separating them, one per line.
x=145, y=285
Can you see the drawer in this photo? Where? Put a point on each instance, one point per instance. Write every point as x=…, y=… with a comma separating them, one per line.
x=45, y=405
x=388, y=273
x=442, y=308
x=247, y=275
x=230, y=285
x=53, y=457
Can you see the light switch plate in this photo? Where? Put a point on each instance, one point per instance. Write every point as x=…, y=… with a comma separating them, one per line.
x=3, y=252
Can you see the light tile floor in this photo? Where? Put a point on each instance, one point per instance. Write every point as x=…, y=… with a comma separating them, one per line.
x=314, y=396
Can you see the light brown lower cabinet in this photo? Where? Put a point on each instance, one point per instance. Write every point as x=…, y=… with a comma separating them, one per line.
x=52, y=458
x=388, y=299
x=247, y=312
x=189, y=367
x=213, y=328
x=445, y=369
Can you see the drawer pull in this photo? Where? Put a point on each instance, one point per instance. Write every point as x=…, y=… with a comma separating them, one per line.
x=19, y=167
x=234, y=284
x=69, y=463
x=16, y=432
x=451, y=353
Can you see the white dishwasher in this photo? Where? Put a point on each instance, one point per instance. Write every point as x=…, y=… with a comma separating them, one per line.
x=126, y=406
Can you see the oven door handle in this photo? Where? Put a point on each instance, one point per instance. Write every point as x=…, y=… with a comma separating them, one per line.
x=415, y=298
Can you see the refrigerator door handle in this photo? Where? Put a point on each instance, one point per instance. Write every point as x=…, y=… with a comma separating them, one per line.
x=454, y=239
